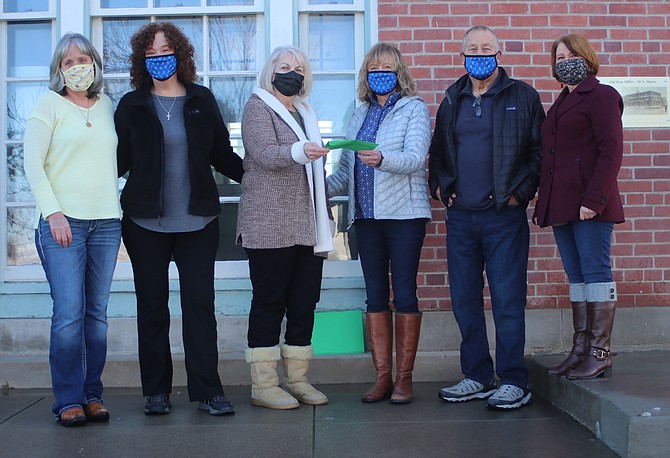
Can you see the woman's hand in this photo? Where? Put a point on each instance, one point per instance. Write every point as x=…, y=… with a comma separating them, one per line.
x=313, y=151
x=60, y=229
x=370, y=157
x=586, y=213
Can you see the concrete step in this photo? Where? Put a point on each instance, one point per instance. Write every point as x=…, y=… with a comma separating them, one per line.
x=629, y=412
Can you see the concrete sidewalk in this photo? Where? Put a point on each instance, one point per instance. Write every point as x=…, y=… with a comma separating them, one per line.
x=428, y=427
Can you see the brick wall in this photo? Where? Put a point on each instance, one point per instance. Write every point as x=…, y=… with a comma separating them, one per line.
x=632, y=39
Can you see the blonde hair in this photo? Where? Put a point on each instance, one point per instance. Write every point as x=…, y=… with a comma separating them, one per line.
x=378, y=53
x=265, y=78
x=56, y=78
x=579, y=46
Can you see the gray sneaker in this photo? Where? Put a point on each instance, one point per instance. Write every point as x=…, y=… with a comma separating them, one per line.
x=509, y=397
x=466, y=390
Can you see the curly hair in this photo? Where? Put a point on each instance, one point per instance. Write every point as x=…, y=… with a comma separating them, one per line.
x=376, y=54
x=143, y=39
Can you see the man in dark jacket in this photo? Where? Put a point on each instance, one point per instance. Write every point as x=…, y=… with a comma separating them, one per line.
x=484, y=166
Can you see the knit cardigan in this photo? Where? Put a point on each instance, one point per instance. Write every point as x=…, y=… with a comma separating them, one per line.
x=283, y=200
x=400, y=186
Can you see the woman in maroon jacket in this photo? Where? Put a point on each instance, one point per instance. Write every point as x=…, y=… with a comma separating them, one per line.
x=578, y=196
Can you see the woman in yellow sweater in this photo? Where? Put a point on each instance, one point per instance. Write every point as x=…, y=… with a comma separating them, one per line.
x=70, y=163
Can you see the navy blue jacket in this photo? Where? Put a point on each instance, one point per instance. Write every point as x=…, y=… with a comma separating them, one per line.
x=517, y=147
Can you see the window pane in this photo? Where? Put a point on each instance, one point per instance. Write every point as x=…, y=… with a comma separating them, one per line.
x=333, y=101
x=330, y=2
x=20, y=237
x=166, y=3
x=228, y=250
x=192, y=28
x=21, y=98
x=25, y=6
x=28, y=49
x=116, y=49
x=232, y=94
x=17, y=184
x=232, y=43
x=345, y=238
x=229, y=2
x=331, y=42
x=123, y=3
x=116, y=88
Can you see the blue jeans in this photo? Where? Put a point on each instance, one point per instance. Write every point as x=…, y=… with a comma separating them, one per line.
x=585, y=250
x=498, y=243
x=396, y=243
x=80, y=278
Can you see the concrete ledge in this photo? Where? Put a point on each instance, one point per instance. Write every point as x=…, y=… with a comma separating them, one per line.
x=629, y=412
x=124, y=370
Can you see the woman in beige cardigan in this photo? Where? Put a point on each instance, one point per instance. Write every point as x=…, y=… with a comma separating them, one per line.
x=284, y=226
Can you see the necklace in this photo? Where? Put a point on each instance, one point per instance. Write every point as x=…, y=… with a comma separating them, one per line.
x=88, y=123
x=167, y=112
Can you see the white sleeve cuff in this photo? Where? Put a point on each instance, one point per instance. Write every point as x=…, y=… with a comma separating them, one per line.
x=298, y=152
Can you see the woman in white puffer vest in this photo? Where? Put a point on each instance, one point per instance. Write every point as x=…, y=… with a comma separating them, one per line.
x=389, y=209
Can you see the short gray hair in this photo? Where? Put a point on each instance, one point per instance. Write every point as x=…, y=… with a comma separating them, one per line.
x=56, y=79
x=480, y=28
x=265, y=78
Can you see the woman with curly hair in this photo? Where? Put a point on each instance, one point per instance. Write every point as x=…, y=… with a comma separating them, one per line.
x=170, y=134
x=389, y=208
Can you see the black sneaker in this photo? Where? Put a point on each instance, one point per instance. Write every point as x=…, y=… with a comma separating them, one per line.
x=466, y=390
x=509, y=397
x=218, y=405
x=158, y=404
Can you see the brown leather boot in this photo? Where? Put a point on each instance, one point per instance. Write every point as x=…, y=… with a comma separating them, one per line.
x=380, y=338
x=579, y=340
x=598, y=360
x=407, y=330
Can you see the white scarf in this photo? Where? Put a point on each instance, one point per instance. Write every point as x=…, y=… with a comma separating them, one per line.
x=314, y=170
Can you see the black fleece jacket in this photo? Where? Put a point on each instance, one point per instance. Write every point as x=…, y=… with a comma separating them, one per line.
x=141, y=152
x=517, y=147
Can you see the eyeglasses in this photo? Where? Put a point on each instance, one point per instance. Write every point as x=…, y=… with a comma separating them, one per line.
x=477, y=105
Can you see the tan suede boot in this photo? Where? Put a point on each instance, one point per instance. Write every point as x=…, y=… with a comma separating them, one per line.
x=265, y=391
x=296, y=363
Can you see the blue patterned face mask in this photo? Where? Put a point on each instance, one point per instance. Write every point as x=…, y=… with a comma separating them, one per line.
x=481, y=67
x=382, y=82
x=161, y=67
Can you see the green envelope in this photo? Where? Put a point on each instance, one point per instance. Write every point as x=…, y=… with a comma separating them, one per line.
x=353, y=145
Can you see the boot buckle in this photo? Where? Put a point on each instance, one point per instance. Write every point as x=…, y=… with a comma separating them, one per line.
x=600, y=354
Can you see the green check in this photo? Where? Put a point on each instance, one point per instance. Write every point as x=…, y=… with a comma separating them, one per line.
x=353, y=145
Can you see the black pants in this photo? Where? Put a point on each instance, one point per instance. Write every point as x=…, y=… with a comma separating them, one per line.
x=194, y=254
x=286, y=281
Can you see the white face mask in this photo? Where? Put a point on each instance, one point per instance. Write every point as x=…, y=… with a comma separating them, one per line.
x=79, y=77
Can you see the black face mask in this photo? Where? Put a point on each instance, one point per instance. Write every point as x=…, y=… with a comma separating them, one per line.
x=288, y=84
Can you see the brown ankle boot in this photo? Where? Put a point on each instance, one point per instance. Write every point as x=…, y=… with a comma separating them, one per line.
x=407, y=330
x=598, y=360
x=380, y=338
x=579, y=340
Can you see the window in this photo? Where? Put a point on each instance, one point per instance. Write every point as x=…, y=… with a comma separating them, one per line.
x=232, y=39
x=27, y=29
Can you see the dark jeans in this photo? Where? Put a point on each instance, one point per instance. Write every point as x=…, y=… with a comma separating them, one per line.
x=585, y=250
x=285, y=281
x=193, y=252
x=396, y=243
x=498, y=243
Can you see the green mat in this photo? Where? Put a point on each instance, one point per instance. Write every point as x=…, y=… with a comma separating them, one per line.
x=338, y=333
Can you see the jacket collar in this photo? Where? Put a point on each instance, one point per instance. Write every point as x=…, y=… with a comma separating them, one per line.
x=456, y=88
x=566, y=103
